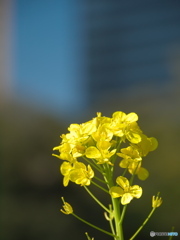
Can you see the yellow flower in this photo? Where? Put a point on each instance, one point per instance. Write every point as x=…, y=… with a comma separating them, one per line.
x=78, y=150
x=129, y=156
x=125, y=191
x=156, y=201
x=81, y=174
x=67, y=208
x=132, y=160
x=101, y=120
x=133, y=133
x=119, y=122
x=135, y=168
x=103, y=133
x=77, y=172
x=146, y=145
x=101, y=152
x=123, y=125
x=65, y=150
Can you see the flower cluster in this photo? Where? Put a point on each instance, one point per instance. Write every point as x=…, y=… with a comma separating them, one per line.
x=97, y=142
x=92, y=150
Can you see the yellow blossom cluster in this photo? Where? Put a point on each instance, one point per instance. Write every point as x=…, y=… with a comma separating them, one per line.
x=97, y=142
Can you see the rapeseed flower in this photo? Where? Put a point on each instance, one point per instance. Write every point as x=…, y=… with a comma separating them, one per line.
x=141, y=172
x=146, y=145
x=132, y=160
x=81, y=174
x=125, y=191
x=77, y=173
x=129, y=155
x=125, y=126
x=101, y=152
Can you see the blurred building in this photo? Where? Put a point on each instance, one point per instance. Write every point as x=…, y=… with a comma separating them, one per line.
x=129, y=45
x=66, y=57
x=50, y=55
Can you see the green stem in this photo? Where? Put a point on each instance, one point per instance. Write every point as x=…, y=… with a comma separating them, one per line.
x=97, y=185
x=116, y=207
x=92, y=195
x=99, y=165
x=117, y=147
x=108, y=175
x=92, y=164
x=123, y=213
x=172, y=230
x=124, y=172
x=111, y=219
x=112, y=227
x=139, y=229
x=92, y=225
x=115, y=204
x=100, y=180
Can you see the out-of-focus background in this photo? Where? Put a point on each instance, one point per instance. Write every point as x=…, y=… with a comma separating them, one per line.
x=61, y=61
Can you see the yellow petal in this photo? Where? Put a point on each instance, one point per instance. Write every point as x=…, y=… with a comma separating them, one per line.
x=88, y=127
x=124, y=163
x=67, y=156
x=56, y=148
x=133, y=137
x=65, y=168
x=122, y=182
x=74, y=127
x=66, y=180
x=120, y=115
x=76, y=174
x=143, y=173
x=132, y=117
x=65, y=147
x=126, y=198
x=154, y=143
x=79, y=165
x=103, y=145
x=116, y=192
x=90, y=172
x=92, y=152
x=85, y=182
x=135, y=191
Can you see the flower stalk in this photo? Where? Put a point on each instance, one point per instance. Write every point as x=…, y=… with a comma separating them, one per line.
x=156, y=202
x=92, y=195
x=93, y=226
